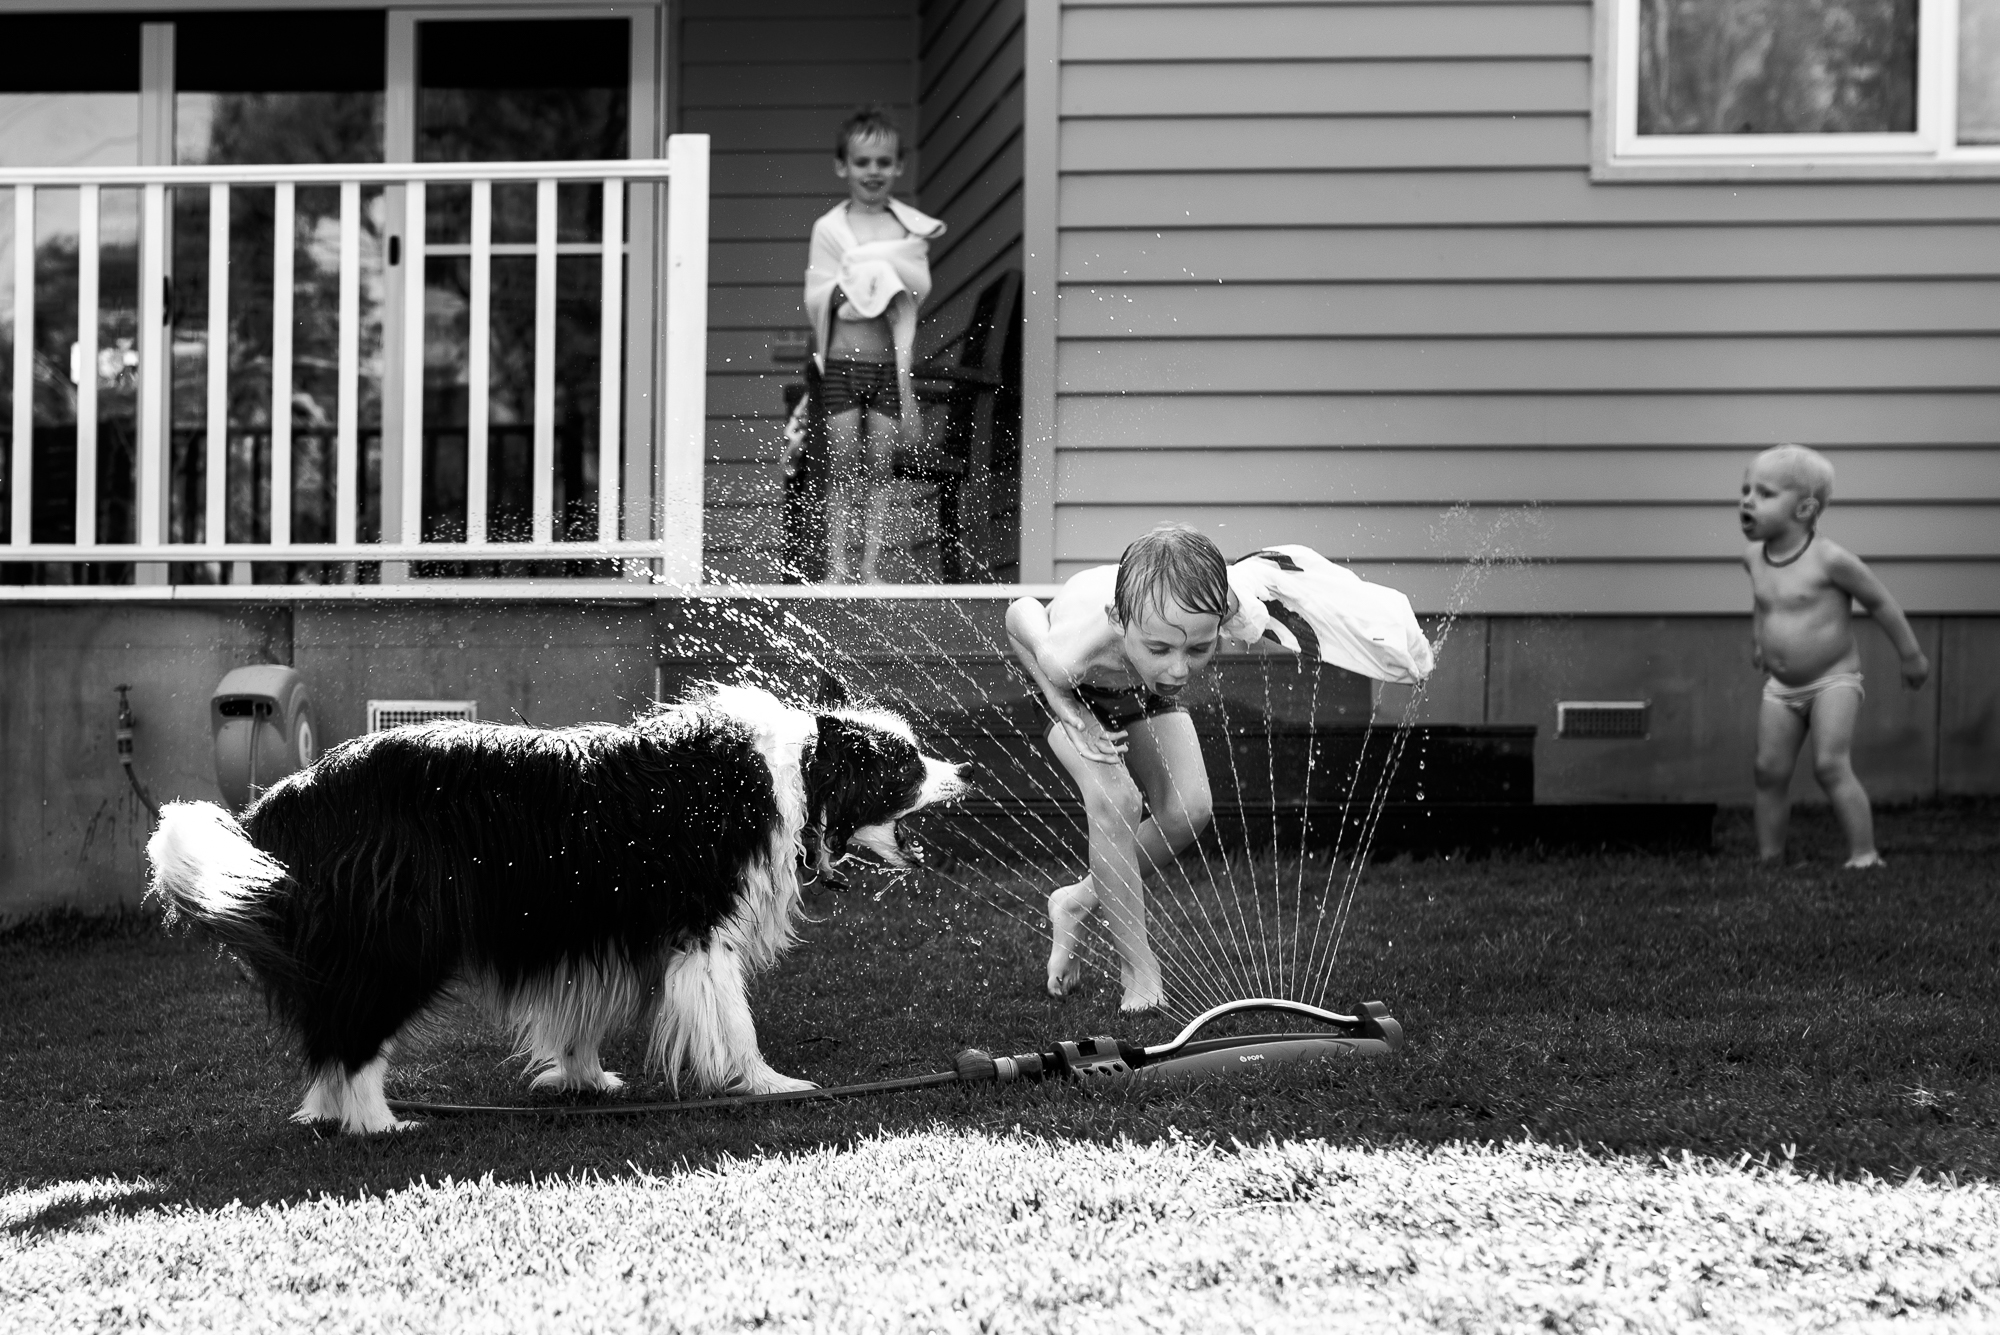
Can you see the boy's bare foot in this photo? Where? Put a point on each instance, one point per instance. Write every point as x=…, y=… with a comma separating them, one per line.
x=1143, y=989
x=1068, y=907
x=1869, y=859
x=1133, y=1003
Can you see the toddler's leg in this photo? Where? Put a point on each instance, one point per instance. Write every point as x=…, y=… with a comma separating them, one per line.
x=1834, y=714
x=1779, y=732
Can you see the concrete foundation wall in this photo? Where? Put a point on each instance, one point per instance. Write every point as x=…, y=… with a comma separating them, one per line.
x=1696, y=674
x=73, y=834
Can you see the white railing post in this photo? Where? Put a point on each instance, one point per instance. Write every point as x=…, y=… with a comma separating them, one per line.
x=685, y=365
x=545, y=362
x=284, y=234
x=89, y=253
x=347, y=419
x=610, y=359
x=153, y=337
x=414, y=292
x=21, y=472
x=215, y=488
x=479, y=366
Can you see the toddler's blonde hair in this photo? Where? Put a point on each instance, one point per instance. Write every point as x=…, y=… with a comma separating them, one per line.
x=1804, y=467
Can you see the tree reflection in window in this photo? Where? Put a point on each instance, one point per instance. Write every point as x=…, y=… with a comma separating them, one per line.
x=1777, y=66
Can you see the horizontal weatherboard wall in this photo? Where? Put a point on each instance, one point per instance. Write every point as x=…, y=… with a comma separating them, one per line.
x=1346, y=263
x=969, y=115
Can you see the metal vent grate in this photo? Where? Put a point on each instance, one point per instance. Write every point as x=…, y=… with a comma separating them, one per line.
x=395, y=713
x=1591, y=719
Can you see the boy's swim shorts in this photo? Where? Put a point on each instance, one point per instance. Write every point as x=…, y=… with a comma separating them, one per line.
x=846, y=385
x=1119, y=708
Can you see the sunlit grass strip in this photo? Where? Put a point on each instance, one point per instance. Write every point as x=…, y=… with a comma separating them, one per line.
x=958, y=1231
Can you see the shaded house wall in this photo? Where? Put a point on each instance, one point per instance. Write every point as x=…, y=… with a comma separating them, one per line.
x=969, y=79
x=1338, y=274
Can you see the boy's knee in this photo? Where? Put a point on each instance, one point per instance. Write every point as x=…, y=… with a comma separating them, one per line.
x=1832, y=771
x=1121, y=803
x=1183, y=822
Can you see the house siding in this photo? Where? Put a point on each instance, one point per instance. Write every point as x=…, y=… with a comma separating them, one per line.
x=969, y=139
x=1342, y=268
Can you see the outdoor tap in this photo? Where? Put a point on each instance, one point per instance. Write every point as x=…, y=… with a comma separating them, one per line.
x=125, y=723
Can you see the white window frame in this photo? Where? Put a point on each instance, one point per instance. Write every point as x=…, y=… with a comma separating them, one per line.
x=1620, y=152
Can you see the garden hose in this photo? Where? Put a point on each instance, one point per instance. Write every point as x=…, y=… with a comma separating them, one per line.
x=1371, y=1032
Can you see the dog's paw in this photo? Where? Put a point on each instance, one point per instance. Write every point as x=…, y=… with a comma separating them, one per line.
x=578, y=1082
x=768, y=1081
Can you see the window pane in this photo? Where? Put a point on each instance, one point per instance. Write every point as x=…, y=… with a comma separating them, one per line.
x=1777, y=66
x=506, y=90
x=1979, y=72
x=315, y=97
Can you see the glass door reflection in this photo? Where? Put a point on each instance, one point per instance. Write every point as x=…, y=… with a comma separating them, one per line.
x=69, y=97
x=515, y=90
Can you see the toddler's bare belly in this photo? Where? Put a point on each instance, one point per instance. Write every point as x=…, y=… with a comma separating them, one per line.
x=1802, y=649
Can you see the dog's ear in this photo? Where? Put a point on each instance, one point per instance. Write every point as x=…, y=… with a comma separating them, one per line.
x=832, y=691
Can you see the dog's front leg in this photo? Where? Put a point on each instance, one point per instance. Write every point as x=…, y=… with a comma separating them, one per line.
x=704, y=1026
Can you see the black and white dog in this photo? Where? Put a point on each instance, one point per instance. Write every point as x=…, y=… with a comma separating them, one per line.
x=571, y=878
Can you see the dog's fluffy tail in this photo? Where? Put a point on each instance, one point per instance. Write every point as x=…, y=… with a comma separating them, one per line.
x=204, y=866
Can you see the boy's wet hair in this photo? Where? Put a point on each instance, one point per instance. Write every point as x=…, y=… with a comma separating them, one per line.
x=1804, y=467
x=867, y=122
x=1172, y=560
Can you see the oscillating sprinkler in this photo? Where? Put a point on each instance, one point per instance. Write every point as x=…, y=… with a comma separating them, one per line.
x=1373, y=1032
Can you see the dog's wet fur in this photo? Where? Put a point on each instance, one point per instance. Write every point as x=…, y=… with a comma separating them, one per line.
x=572, y=879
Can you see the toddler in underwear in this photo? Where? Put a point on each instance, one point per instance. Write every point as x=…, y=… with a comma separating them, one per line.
x=1801, y=587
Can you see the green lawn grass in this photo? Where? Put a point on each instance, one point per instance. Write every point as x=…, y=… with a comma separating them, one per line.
x=1571, y=1021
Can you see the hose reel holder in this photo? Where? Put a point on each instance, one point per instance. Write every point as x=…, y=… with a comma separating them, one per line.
x=260, y=721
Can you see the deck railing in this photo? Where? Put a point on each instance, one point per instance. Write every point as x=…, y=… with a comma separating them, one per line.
x=669, y=538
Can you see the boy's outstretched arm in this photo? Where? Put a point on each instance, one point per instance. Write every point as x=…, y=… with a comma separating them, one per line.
x=1853, y=577
x=1028, y=633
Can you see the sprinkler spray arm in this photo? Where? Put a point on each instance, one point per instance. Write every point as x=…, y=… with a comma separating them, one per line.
x=1352, y=1023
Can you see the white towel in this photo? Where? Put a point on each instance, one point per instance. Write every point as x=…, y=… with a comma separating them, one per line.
x=871, y=276
x=1303, y=602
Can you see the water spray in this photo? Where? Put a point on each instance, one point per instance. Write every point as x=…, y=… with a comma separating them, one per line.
x=1097, y=1061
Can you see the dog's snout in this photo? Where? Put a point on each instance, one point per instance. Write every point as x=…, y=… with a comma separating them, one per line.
x=945, y=781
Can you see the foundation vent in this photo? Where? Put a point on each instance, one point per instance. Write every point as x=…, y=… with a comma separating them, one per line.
x=395, y=713
x=1591, y=720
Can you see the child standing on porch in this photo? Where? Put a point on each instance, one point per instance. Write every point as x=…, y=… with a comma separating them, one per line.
x=868, y=274
x=1801, y=587
x=1113, y=654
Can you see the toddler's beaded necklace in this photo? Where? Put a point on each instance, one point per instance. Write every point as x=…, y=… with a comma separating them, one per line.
x=1779, y=565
